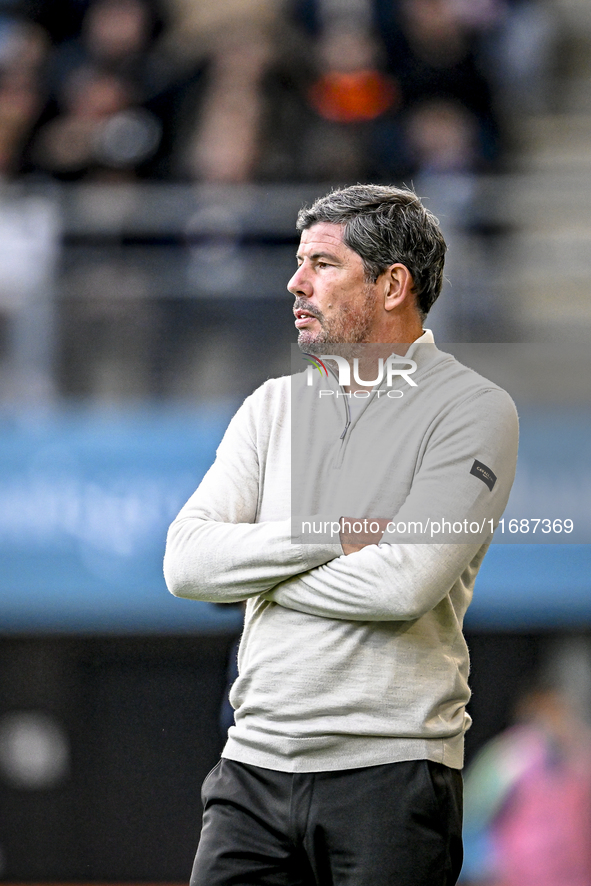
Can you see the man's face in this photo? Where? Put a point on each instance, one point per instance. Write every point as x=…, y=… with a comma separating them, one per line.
x=334, y=302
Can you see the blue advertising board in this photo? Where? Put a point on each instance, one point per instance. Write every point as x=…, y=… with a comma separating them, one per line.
x=85, y=500
x=86, y=497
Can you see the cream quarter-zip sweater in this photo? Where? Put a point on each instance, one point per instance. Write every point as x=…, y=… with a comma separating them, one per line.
x=358, y=660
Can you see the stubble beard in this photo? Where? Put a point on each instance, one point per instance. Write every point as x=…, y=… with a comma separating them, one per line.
x=348, y=327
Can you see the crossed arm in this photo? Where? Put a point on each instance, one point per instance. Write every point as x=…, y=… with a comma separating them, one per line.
x=217, y=552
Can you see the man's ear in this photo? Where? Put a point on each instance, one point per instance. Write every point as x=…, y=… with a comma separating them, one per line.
x=398, y=286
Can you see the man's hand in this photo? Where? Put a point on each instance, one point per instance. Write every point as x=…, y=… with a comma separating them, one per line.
x=358, y=532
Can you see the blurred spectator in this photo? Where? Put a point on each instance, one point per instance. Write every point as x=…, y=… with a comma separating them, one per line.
x=24, y=48
x=432, y=51
x=511, y=43
x=351, y=88
x=432, y=107
x=112, y=91
x=100, y=129
x=119, y=36
x=224, y=146
x=224, y=50
x=348, y=130
x=528, y=798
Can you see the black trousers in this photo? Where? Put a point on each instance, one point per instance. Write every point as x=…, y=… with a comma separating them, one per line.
x=393, y=825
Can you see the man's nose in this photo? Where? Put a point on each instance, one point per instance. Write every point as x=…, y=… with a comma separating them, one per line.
x=299, y=283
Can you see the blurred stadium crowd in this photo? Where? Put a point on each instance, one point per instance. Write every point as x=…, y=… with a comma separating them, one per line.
x=106, y=105
x=266, y=90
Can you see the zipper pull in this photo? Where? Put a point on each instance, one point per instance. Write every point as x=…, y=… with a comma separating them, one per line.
x=347, y=426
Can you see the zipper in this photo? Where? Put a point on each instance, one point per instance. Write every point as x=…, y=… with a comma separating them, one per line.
x=347, y=407
x=348, y=421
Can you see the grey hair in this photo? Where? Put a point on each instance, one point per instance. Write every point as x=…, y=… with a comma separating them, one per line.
x=385, y=225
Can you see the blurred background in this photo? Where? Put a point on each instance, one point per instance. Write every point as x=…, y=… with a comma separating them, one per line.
x=153, y=157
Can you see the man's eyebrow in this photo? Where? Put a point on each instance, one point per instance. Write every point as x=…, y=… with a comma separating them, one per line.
x=316, y=255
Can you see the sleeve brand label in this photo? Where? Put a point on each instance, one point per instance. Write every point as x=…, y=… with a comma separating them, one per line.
x=486, y=475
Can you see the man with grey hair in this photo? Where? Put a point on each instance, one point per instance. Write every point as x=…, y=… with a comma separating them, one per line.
x=343, y=766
